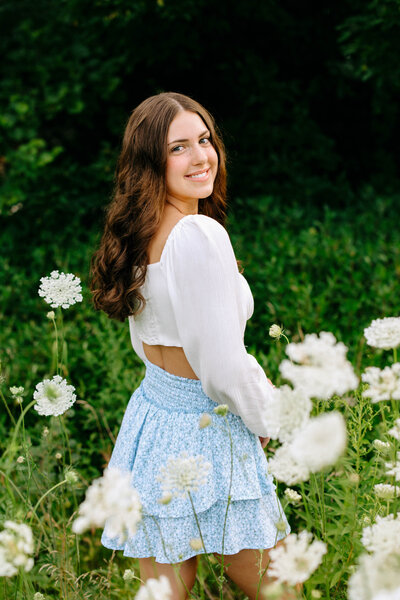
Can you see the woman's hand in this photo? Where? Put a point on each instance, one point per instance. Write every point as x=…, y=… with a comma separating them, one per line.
x=264, y=441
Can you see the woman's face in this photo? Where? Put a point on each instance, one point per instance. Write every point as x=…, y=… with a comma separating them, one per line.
x=192, y=162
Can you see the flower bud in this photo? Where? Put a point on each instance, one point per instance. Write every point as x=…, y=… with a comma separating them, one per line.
x=221, y=410
x=128, y=575
x=275, y=331
x=196, y=544
x=205, y=420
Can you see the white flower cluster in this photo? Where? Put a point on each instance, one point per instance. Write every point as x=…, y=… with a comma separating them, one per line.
x=110, y=498
x=386, y=595
x=386, y=491
x=322, y=368
x=292, y=496
x=53, y=396
x=395, y=431
x=393, y=468
x=60, y=289
x=378, y=573
x=296, y=559
x=183, y=474
x=317, y=445
x=155, y=589
x=383, y=333
x=16, y=546
x=287, y=413
x=383, y=384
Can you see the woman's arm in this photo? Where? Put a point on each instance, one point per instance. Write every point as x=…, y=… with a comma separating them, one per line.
x=203, y=282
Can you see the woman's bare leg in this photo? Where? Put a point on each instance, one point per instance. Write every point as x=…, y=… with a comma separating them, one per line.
x=244, y=569
x=186, y=570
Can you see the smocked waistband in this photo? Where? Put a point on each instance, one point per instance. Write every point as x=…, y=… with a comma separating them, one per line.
x=173, y=392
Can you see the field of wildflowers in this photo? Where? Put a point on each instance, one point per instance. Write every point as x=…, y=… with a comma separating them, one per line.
x=334, y=454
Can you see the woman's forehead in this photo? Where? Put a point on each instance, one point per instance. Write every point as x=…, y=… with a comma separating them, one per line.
x=186, y=125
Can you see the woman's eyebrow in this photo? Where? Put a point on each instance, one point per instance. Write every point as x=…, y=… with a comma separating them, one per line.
x=201, y=135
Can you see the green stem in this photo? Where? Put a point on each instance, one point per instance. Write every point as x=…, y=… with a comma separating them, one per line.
x=202, y=541
x=10, y=447
x=44, y=496
x=228, y=503
x=7, y=408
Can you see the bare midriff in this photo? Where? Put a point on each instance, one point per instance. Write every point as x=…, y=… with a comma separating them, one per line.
x=169, y=358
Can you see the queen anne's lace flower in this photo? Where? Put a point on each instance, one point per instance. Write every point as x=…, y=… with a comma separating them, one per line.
x=288, y=411
x=60, y=289
x=155, y=589
x=284, y=466
x=53, y=396
x=110, y=498
x=386, y=491
x=388, y=595
x=395, y=431
x=376, y=573
x=296, y=559
x=382, y=447
x=320, y=443
x=393, y=468
x=383, y=384
x=292, y=496
x=322, y=370
x=383, y=333
x=183, y=474
x=383, y=537
x=16, y=545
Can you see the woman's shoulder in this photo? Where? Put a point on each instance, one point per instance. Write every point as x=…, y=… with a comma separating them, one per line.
x=192, y=231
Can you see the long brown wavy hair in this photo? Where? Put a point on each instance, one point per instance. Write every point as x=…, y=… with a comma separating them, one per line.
x=119, y=265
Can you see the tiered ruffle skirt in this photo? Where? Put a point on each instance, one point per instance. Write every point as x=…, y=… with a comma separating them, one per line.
x=162, y=421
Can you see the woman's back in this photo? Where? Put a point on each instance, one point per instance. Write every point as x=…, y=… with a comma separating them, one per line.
x=169, y=358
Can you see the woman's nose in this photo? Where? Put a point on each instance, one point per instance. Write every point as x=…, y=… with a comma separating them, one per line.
x=199, y=154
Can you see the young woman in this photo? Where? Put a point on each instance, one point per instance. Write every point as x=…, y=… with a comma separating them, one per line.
x=166, y=263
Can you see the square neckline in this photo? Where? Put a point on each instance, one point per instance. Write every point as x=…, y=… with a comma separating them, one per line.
x=168, y=238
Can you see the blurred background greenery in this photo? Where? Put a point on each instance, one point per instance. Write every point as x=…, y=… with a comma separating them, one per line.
x=307, y=98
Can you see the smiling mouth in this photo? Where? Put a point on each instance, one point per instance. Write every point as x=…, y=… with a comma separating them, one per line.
x=199, y=176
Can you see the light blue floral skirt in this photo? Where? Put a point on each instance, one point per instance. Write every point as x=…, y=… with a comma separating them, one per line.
x=162, y=421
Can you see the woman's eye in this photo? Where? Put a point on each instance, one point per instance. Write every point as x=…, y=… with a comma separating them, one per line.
x=205, y=140
x=176, y=148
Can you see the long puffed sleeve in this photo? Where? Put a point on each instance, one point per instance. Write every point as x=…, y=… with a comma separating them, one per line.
x=203, y=283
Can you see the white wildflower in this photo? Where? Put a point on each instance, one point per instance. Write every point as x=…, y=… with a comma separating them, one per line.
x=51, y=314
x=374, y=574
x=292, y=496
x=381, y=446
x=58, y=455
x=53, y=396
x=316, y=594
x=296, y=559
x=284, y=466
x=71, y=476
x=16, y=546
x=321, y=442
x=275, y=331
x=386, y=491
x=16, y=391
x=395, y=431
x=393, y=468
x=196, y=544
x=288, y=411
x=128, y=575
x=205, y=420
x=322, y=370
x=383, y=333
x=60, y=289
x=38, y=596
x=383, y=384
x=383, y=536
x=20, y=459
x=155, y=589
x=388, y=595
x=110, y=498
x=183, y=474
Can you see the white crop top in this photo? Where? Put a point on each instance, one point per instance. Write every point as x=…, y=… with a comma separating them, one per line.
x=196, y=299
